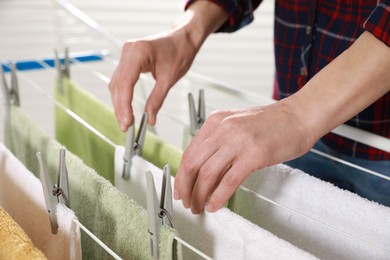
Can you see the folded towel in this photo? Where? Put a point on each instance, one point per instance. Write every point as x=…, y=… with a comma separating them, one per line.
x=320, y=200
x=21, y=195
x=119, y=222
x=95, y=152
x=220, y=235
x=14, y=242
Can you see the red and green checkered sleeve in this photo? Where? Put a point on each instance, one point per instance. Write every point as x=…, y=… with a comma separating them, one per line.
x=240, y=12
x=378, y=23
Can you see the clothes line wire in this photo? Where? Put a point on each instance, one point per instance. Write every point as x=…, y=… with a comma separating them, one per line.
x=350, y=236
x=72, y=114
x=374, y=173
x=68, y=111
x=97, y=240
x=83, y=17
x=200, y=253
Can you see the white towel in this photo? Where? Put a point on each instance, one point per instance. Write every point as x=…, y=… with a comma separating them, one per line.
x=220, y=235
x=21, y=195
x=322, y=201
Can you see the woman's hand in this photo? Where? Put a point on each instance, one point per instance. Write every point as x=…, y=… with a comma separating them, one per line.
x=168, y=56
x=233, y=144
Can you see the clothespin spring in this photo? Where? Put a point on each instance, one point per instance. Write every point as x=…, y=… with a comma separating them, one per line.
x=163, y=213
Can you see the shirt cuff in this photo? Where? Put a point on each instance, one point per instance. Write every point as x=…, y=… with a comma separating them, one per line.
x=378, y=23
x=240, y=12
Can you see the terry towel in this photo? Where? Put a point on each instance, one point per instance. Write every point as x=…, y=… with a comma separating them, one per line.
x=322, y=201
x=95, y=152
x=220, y=235
x=21, y=195
x=119, y=222
x=14, y=242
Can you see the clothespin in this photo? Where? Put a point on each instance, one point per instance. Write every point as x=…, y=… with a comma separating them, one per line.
x=134, y=145
x=62, y=68
x=11, y=94
x=158, y=213
x=197, y=118
x=54, y=194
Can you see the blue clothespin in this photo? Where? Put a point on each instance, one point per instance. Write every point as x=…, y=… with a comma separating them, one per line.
x=159, y=213
x=134, y=146
x=197, y=118
x=62, y=67
x=55, y=194
x=11, y=94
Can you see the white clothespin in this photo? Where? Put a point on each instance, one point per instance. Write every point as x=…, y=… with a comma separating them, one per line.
x=134, y=146
x=11, y=94
x=62, y=67
x=158, y=213
x=197, y=118
x=54, y=194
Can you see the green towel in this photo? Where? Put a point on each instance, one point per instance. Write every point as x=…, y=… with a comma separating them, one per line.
x=119, y=222
x=92, y=149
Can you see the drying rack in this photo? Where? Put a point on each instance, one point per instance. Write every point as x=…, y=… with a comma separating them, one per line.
x=168, y=124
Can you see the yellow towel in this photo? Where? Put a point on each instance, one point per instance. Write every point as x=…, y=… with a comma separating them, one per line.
x=14, y=243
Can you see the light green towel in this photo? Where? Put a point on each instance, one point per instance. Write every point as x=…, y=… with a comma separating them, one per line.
x=119, y=222
x=94, y=151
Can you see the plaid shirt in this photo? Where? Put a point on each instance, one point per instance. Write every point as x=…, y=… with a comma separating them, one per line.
x=308, y=35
